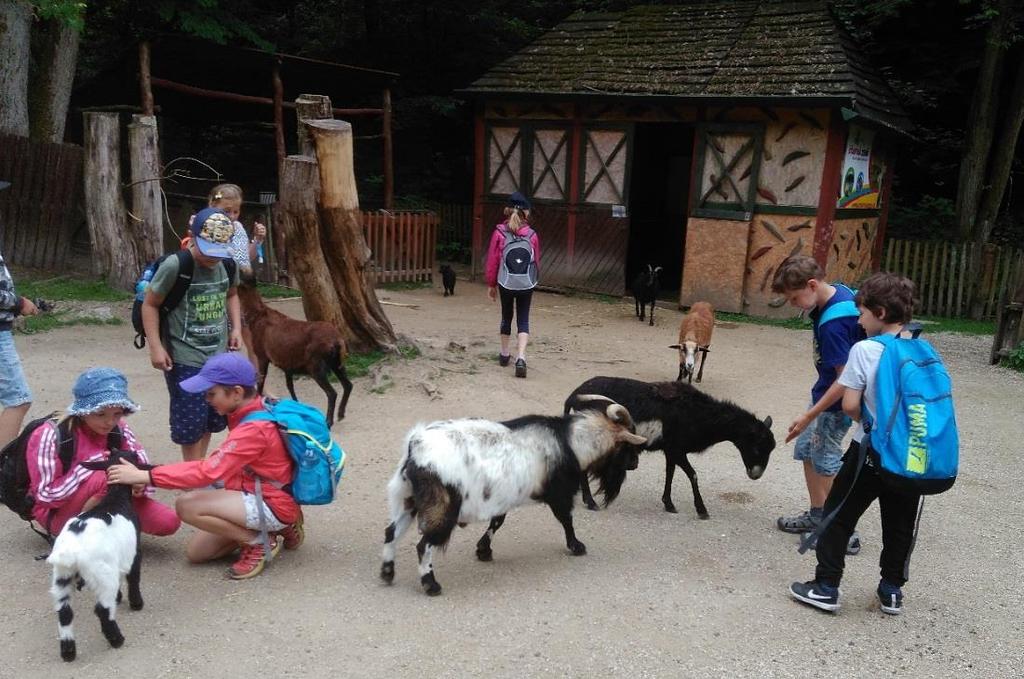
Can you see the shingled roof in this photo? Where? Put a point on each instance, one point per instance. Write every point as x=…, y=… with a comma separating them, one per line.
x=706, y=49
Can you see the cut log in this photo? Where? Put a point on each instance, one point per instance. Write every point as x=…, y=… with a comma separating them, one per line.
x=147, y=217
x=298, y=223
x=310, y=107
x=342, y=240
x=114, y=255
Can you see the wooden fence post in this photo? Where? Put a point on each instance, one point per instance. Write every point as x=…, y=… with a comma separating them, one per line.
x=114, y=255
x=146, y=220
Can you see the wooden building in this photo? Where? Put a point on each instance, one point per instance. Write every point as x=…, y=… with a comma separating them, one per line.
x=711, y=138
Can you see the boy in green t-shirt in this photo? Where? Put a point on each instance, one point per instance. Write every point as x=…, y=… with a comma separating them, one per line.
x=196, y=328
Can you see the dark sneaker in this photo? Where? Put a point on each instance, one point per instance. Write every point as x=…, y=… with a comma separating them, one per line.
x=503, y=359
x=520, y=367
x=817, y=594
x=890, y=598
x=852, y=545
x=801, y=523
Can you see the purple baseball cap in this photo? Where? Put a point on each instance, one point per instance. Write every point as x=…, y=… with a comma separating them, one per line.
x=212, y=231
x=228, y=369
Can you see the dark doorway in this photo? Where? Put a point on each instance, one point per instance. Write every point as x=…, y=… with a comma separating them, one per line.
x=658, y=193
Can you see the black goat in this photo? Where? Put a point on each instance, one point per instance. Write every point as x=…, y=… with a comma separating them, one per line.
x=448, y=280
x=678, y=419
x=645, y=290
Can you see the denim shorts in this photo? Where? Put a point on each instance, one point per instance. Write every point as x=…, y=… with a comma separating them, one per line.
x=14, y=389
x=822, y=442
x=190, y=415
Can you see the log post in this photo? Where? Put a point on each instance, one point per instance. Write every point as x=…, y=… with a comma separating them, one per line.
x=342, y=239
x=114, y=255
x=146, y=220
x=278, y=114
x=145, y=79
x=389, y=168
x=310, y=107
x=297, y=222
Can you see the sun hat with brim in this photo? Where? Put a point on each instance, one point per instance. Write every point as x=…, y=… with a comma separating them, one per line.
x=230, y=369
x=212, y=230
x=99, y=388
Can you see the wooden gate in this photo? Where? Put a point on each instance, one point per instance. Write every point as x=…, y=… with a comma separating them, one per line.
x=402, y=244
x=41, y=210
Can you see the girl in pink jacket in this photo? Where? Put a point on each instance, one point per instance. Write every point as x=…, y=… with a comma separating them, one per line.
x=512, y=275
x=100, y=405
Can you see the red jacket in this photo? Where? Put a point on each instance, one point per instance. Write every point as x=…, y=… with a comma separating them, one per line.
x=257, y=446
x=498, y=244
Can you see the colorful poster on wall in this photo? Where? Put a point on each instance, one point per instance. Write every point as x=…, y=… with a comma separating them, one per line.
x=863, y=171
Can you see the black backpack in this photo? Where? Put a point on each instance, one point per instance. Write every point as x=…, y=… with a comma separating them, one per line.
x=186, y=267
x=15, y=484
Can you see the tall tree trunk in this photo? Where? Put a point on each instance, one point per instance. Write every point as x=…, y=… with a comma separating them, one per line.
x=113, y=251
x=981, y=123
x=54, y=55
x=15, y=56
x=147, y=217
x=998, y=176
x=342, y=240
x=296, y=218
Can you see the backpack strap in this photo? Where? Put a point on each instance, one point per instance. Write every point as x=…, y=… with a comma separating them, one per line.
x=66, y=444
x=230, y=266
x=845, y=309
x=186, y=268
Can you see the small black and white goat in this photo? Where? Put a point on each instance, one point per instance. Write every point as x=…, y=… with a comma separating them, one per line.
x=645, y=290
x=678, y=419
x=96, y=549
x=455, y=472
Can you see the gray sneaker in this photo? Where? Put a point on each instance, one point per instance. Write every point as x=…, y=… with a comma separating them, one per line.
x=801, y=523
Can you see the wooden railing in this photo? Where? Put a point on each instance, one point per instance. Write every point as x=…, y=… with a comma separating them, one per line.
x=403, y=245
x=941, y=273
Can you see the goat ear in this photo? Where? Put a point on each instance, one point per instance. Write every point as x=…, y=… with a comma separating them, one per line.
x=768, y=421
x=95, y=465
x=675, y=346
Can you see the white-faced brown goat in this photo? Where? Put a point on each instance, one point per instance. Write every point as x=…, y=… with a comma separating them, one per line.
x=313, y=348
x=456, y=472
x=694, y=335
x=96, y=549
x=679, y=419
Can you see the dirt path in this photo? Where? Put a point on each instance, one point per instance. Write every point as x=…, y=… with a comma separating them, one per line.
x=656, y=595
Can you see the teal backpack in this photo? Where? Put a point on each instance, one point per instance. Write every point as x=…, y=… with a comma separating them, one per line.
x=319, y=460
x=844, y=309
x=914, y=441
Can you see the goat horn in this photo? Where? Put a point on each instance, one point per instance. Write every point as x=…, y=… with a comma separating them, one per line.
x=618, y=413
x=592, y=397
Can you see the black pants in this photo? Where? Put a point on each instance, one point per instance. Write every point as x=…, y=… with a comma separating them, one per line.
x=521, y=300
x=899, y=513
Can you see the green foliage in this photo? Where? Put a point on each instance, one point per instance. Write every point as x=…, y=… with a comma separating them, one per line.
x=70, y=12
x=795, y=323
x=207, y=19
x=64, y=288
x=1016, y=359
x=272, y=291
x=405, y=285
x=32, y=325
x=932, y=218
x=963, y=326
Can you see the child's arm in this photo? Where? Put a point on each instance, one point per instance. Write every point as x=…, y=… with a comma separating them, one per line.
x=851, y=402
x=831, y=396
x=158, y=355
x=235, y=316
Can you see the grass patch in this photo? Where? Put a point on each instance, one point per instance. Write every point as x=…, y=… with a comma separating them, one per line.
x=797, y=323
x=398, y=286
x=359, y=365
x=964, y=326
x=65, y=288
x=51, y=321
x=273, y=291
x=1015, y=361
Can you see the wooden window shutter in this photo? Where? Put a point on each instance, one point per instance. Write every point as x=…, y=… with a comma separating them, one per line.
x=504, y=160
x=550, y=165
x=605, y=153
x=728, y=165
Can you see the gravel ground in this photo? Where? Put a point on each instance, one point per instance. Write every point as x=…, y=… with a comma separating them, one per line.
x=657, y=595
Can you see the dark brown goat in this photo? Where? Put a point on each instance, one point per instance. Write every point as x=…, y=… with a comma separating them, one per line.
x=312, y=348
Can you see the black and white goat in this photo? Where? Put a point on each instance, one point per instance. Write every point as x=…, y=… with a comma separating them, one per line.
x=678, y=419
x=96, y=549
x=645, y=290
x=455, y=472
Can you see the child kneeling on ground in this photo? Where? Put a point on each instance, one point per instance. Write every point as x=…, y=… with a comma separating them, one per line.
x=885, y=301
x=95, y=422
x=231, y=518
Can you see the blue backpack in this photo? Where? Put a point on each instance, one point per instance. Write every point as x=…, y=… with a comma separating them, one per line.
x=914, y=440
x=319, y=460
x=845, y=309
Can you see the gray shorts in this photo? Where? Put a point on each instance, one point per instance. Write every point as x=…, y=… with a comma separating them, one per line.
x=822, y=442
x=252, y=515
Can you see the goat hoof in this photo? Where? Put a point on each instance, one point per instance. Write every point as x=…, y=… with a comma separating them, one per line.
x=485, y=555
x=67, y=650
x=578, y=548
x=592, y=506
x=430, y=585
x=116, y=641
x=387, y=572
x=703, y=515
x=671, y=508
x=135, y=604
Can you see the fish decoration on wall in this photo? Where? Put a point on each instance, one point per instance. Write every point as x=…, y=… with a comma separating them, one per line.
x=767, y=275
x=799, y=246
x=773, y=230
x=795, y=183
x=767, y=195
x=811, y=120
x=761, y=252
x=794, y=155
x=786, y=130
x=799, y=227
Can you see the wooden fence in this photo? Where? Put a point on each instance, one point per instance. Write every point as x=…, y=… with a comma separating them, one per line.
x=941, y=272
x=403, y=244
x=41, y=210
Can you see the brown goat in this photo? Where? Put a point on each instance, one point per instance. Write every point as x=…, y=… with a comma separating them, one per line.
x=311, y=348
x=694, y=335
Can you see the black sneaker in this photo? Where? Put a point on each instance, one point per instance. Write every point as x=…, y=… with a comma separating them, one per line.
x=817, y=594
x=520, y=367
x=503, y=359
x=890, y=598
x=852, y=545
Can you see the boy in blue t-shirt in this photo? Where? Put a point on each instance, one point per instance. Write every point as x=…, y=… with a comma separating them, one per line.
x=819, y=432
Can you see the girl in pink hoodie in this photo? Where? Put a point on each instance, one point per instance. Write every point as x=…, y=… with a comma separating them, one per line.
x=516, y=295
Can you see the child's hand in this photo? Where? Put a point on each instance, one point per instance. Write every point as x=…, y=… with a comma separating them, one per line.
x=235, y=340
x=798, y=425
x=159, y=358
x=127, y=474
x=492, y=293
x=28, y=308
x=259, y=233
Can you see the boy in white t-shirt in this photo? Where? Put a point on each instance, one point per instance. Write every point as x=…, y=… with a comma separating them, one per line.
x=885, y=301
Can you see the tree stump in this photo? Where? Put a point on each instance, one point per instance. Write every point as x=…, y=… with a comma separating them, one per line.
x=310, y=107
x=113, y=248
x=342, y=240
x=147, y=217
x=297, y=220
